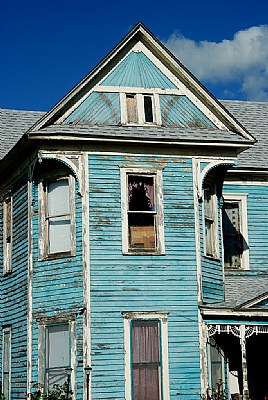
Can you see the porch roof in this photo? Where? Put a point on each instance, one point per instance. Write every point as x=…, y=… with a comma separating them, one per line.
x=243, y=291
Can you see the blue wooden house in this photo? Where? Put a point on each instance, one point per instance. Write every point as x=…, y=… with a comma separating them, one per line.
x=134, y=237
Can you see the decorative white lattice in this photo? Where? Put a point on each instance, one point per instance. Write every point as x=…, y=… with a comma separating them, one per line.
x=235, y=329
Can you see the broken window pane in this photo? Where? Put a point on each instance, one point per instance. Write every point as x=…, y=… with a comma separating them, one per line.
x=148, y=109
x=141, y=212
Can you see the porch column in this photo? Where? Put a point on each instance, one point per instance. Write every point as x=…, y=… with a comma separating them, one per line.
x=244, y=362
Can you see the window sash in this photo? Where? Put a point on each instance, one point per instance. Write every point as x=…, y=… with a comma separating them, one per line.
x=142, y=212
x=132, y=112
x=58, y=216
x=58, y=350
x=210, y=221
x=6, y=362
x=146, y=363
x=7, y=235
x=232, y=237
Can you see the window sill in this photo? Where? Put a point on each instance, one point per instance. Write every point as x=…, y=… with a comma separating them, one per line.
x=56, y=256
x=143, y=253
x=214, y=258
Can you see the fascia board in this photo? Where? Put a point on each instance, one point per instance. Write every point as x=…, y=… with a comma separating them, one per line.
x=176, y=67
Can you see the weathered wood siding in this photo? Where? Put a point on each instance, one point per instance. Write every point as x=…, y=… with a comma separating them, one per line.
x=14, y=291
x=58, y=288
x=257, y=215
x=212, y=270
x=142, y=283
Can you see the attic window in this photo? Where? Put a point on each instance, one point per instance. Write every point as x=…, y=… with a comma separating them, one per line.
x=132, y=115
x=148, y=109
x=140, y=109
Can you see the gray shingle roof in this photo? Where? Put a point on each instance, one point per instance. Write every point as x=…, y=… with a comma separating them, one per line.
x=141, y=132
x=13, y=124
x=241, y=288
x=254, y=117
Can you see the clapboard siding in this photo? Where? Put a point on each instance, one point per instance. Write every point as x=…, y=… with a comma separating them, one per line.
x=142, y=283
x=14, y=291
x=58, y=288
x=257, y=218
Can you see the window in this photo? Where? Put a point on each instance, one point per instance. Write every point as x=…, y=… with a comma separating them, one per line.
x=7, y=235
x=210, y=221
x=216, y=364
x=140, y=109
x=234, y=227
x=57, y=227
x=6, y=362
x=146, y=356
x=57, y=354
x=142, y=209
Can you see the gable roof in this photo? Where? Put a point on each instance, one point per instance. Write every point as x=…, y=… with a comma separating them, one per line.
x=140, y=34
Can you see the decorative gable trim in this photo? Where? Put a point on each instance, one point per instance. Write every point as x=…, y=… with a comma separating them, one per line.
x=140, y=34
x=253, y=303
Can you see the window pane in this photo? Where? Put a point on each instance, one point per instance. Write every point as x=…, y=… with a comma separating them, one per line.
x=145, y=360
x=232, y=238
x=8, y=220
x=58, y=197
x=148, y=109
x=59, y=234
x=208, y=203
x=58, y=346
x=142, y=232
x=141, y=193
x=131, y=109
x=6, y=363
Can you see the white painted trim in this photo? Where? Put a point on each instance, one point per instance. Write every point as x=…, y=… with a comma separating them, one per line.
x=7, y=247
x=196, y=184
x=246, y=183
x=7, y=329
x=217, y=312
x=86, y=273
x=160, y=241
x=241, y=199
x=133, y=89
x=162, y=317
x=203, y=339
x=30, y=283
x=132, y=140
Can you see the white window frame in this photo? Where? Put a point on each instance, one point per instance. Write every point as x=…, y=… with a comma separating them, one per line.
x=214, y=221
x=241, y=199
x=7, y=243
x=4, y=331
x=44, y=323
x=159, y=219
x=210, y=345
x=139, y=97
x=161, y=316
x=43, y=221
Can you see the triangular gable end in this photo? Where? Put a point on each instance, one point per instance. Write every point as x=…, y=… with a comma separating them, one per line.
x=141, y=61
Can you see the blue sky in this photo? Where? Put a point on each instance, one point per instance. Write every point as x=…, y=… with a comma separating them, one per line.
x=48, y=46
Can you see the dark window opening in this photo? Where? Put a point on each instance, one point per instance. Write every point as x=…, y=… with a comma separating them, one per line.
x=232, y=238
x=148, y=109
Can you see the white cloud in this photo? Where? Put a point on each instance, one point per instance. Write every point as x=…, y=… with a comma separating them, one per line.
x=241, y=61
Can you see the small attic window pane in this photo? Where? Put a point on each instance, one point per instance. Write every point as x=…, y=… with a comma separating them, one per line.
x=132, y=116
x=148, y=109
